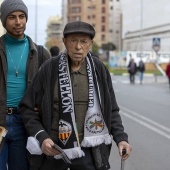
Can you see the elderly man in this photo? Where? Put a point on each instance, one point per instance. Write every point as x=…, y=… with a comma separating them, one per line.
x=78, y=109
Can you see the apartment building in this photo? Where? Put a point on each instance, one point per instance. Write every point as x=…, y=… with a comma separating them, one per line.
x=115, y=23
x=54, y=32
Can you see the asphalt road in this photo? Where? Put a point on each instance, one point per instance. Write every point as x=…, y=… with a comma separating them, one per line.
x=145, y=112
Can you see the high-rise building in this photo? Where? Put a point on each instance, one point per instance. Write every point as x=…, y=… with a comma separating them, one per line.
x=115, y=23
x=54, y=35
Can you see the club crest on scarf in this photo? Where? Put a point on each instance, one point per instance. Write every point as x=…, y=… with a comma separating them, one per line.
x=94, y=123
x=65, y=131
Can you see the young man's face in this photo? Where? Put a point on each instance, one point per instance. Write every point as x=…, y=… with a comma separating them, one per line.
x=77, y=46
x=16, y=24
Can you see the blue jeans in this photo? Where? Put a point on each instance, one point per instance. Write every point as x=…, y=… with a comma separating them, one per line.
x=140, y=76
x=14, y=153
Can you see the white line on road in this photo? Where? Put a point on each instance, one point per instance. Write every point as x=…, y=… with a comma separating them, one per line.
x=158, y=128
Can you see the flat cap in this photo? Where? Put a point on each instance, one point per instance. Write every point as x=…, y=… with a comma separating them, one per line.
x=77, y=27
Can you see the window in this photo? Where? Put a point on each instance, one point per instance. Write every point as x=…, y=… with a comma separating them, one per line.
x=76, y=18
x=103, y=28
x=103, y=37
x=76, y=1
x=103, y=10
x=103, y=19
x=75, y=10
x=103, y=1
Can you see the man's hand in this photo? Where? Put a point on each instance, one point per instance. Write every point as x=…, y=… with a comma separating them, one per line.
x=48, y=149
x=124, y=145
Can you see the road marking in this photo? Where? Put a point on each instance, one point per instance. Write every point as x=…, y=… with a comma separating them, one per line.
x=156, y=127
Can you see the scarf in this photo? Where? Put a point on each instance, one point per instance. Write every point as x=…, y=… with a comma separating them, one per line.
x=95, y=130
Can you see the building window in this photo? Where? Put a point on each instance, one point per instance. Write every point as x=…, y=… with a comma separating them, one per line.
x=103, y=19
x=103, y=37
x=103, y=28
x=76, y=1
x=76, y=10
x=103, y=10
x=88, y=17
x=76, y=18
x=93, y=16
x=103, y=1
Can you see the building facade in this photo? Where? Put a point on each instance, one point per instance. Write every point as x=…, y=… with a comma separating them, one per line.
x=54, y=32
x=115, y=23
x=143, y=21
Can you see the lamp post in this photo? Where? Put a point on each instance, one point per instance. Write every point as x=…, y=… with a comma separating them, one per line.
x=141, y=26
x=36, y=12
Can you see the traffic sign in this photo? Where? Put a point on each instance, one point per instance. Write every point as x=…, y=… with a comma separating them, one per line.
x=156, y=44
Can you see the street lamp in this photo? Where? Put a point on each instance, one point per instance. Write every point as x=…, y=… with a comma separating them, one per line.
x=36, y=12
x=141, y=31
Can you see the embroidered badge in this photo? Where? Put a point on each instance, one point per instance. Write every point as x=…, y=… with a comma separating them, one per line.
x=65, y=131
x=95, y=123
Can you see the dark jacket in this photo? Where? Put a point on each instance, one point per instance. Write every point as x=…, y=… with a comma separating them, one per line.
x=141, y=67
x=132, y=70
x=41, y=93
x=32, y=68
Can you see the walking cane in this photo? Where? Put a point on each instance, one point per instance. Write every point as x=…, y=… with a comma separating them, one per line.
x=123, y=161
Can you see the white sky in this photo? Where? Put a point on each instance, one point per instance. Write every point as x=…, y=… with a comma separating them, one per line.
x=45, y=9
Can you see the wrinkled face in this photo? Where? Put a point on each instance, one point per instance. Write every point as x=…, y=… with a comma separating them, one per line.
x=16, y=24
x=77, y=46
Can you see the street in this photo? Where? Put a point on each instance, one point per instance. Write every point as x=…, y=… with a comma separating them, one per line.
x=145, y=112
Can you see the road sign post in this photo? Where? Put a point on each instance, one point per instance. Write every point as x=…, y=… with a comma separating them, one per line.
x=156, y=47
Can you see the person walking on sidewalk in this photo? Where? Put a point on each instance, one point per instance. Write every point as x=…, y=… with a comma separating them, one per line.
x=141, y=69
x=168, y=73
x=78, y=107
x=18, y=65
x=132, y=69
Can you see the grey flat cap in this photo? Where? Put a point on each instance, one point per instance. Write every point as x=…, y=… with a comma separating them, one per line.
x=79, y=27
x=9, y=6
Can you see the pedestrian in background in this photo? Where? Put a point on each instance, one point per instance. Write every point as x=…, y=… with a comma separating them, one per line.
x=168, y=73
x=141, y=69
x=78, y=107
x=18, y=65
x=54, y=51
x=132, y=69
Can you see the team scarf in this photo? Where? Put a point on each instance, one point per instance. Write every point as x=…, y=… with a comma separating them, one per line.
x=95, y=130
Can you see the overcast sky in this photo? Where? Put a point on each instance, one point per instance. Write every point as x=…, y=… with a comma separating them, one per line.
x=45, y=9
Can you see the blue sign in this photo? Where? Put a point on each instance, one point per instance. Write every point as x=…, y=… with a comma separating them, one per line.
x=156, y=41
x=156, y=44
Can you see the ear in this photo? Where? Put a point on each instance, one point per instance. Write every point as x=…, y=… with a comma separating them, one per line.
x=64, y=40
x=91, y=44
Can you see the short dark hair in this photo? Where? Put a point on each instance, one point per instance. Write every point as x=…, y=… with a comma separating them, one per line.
x=54, y=50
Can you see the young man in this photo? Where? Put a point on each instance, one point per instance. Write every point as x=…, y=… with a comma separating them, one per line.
x=78, y=109
x=19, y=62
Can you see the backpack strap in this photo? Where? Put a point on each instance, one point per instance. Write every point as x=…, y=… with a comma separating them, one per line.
x=40, y=55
